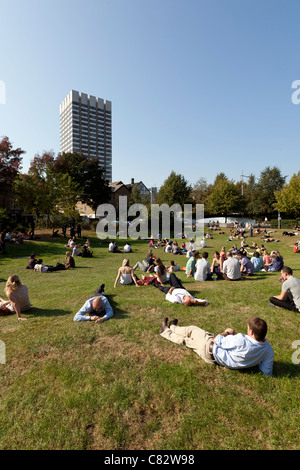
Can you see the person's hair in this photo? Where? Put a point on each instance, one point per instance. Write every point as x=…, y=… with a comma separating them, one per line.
x=287, y=270
x=32, y=256
x=13, y=283
x=256, y=254
x=172, y=263
x=241, y=253
x=68, y=253
x=161, y=266
x=205, y=255
x=259, y=328
x=216, y=254
x=195, y=254
x=39, y=261
x=229, y=253
x=187, y=301
x=125, y=262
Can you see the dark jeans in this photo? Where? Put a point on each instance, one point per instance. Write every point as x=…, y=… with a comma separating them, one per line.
x=174, y=282
x=287, y=303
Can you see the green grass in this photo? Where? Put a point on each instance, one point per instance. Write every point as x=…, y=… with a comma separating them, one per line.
x=119, y=385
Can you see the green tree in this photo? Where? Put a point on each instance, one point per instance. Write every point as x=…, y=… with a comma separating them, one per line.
x=10, y=165
x=224, y=199
x=44, y=192
x=270, y=181
x=175, y=190
x=288, y=199
x=200, y=191
x=88, y=175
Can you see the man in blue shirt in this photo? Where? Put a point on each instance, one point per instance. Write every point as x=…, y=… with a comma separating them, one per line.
x=94, y=308
x=235, y=351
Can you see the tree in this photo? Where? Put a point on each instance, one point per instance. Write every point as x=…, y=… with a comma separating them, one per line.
x=288, y=199
x=271, y=180
x=224, y=199
x=44, y=192
x=138, y=198
x=10, y=164
x=88, y=175
x=201, y=191
x=175, y=190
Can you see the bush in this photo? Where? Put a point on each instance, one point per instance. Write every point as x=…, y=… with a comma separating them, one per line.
x=285, y=223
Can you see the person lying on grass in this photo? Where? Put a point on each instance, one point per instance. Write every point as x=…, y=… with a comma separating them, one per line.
x=178, y=294
x=95, y=307
x=228, y=349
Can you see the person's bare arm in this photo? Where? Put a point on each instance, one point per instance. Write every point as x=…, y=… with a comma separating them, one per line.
x=16, y=305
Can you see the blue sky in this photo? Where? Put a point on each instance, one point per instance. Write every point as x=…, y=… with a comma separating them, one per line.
x=197, y=86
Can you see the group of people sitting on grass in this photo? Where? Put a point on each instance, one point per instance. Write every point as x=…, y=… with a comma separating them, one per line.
x=235, y=351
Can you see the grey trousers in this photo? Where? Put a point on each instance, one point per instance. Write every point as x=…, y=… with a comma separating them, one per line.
x=193, y=337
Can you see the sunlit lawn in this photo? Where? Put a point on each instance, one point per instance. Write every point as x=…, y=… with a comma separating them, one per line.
x=119, y=385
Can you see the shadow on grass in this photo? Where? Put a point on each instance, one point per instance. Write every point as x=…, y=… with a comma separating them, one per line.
x=285, y=369
x=45, y=312
x=280, y=369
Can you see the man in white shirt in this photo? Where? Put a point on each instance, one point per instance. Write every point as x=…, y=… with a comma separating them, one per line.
x=228, y=349
x=289, y=298
x=177, y=294
x=231, y=268
x=203, y=272
x=127, y=248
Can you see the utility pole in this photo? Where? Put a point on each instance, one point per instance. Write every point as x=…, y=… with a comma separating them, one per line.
x=243, y=176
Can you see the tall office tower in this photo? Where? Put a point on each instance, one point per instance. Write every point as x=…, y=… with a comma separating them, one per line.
x=85, y=127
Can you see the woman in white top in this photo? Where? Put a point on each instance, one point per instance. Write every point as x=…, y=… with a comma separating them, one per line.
x=126, y=274
x=160, y=275
x=17, y=294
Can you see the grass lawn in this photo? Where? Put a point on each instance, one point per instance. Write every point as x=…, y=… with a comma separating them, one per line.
x=120, y=385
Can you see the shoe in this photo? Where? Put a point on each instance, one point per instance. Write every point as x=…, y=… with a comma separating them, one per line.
x=164, y=325
x=173, y=322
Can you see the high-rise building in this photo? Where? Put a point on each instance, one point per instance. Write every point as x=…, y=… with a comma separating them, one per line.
x=85, y=127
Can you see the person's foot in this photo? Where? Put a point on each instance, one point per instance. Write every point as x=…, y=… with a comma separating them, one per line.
x=164, y=325
x=173, y=322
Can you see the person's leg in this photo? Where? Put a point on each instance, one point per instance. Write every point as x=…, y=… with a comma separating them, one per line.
x=193, y=337
x=100, y=290
x=287, y=303
x=175, y=282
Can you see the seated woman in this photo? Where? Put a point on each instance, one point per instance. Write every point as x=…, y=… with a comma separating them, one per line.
x=215, y=266
x=161, y=276
x=267, y=259
x=173, y=267
x=277, y=261
x=69, y=263
x=175, y=249
x=183, y=247
x=32, y=262
x=18, y=298
x=126, y=275
x=222, y=257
